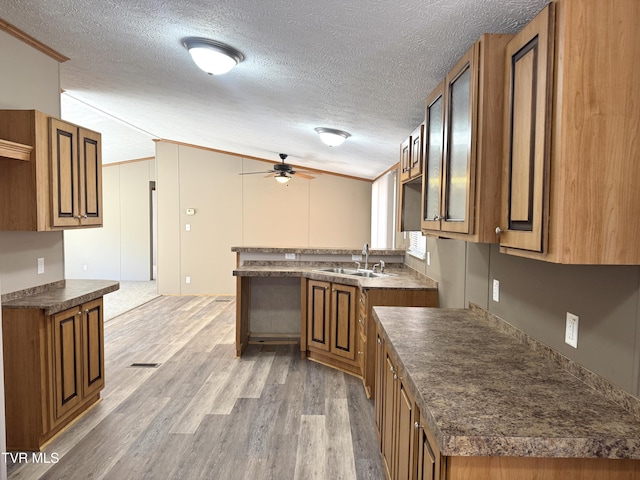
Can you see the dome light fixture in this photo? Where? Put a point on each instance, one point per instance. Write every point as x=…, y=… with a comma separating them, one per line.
x=213, y=57
x=282, y=178
x=331, y=136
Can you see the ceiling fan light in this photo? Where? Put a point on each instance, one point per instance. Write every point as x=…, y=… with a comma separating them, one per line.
x=331, y=136
x=282, y=178
x=213, y=57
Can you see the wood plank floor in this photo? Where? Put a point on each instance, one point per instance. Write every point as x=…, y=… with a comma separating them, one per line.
x=204, y=414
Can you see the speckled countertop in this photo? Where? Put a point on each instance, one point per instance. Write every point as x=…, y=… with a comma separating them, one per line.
x=399, y=278
x=63, y=296
x=312, y=250
x=482, y=392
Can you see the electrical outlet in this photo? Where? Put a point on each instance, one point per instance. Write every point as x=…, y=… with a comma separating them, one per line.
x=187, y=227
x=571, y=330
x=41, y=266
x=428, y=258
x=289, y=256
x=187, y=280
x=496, y=290
x=356, y=258
x=85, y=267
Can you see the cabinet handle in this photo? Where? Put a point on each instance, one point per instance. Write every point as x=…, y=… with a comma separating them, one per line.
x=360, y=320
x=499, y=231
x=379, y=341
x=361, y=301
x=360, y=353
x=416, y=425
x=437, y=218
x=84, y=216
x=395, y=376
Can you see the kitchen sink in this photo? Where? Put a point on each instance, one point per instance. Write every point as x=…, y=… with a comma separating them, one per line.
x=354, y=272
x=344, y=271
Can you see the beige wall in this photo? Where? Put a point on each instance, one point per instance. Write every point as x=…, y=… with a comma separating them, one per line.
x=121, y=250
x=29, y=80
x=233, y=210
x=535, y=297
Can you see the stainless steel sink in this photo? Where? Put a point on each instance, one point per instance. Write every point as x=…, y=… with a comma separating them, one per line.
x=354, y=272
x=344, y=271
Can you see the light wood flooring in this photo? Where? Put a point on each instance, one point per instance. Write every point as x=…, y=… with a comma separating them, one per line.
x=204, y=414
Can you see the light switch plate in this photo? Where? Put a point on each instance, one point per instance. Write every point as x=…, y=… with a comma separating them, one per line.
x=496, y=290
x=428, y=258
x=40, y=265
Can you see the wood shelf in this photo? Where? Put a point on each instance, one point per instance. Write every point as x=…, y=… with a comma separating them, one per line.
x=15, y=151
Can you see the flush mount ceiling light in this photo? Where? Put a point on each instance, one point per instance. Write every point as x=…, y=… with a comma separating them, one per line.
x=331, y=136
x=213, y=57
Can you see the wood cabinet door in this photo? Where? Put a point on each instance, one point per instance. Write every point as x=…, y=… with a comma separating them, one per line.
x=405, y=160
x=92, y=347
x=388, y=410
x=528, y=86
x=90, y=177
x=428, y=463
x=65, y=210
x=379, y=387
x=405, y=464
x=67, y=361
x=343, y=320
x=458, y=175
x=415, y=168
x=433, y=157
x=318, y=308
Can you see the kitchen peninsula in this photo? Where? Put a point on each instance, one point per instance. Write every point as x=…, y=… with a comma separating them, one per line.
x=322, y=299
x=466, y=395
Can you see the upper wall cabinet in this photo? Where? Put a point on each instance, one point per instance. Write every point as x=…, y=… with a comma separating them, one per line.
x=411, y=156
x=61, y=184
x=463, y=146
x=410, y=185
x=570, y=172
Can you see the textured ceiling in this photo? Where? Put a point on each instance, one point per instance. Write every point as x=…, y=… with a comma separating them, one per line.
x=363, y=66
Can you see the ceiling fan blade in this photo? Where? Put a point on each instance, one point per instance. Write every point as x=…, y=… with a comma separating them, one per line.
x=254, y=173
x=303, y=175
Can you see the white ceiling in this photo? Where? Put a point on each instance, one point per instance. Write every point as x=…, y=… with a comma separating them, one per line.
x=364, y=66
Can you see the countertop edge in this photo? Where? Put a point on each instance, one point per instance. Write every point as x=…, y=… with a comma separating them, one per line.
x=73, y=293
x=398, y=281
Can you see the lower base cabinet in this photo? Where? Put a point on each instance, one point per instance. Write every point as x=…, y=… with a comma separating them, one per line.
x=331, y=334
x=56, y=370
x=408, y=451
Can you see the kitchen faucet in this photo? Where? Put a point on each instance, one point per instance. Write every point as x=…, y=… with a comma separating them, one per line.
x=365, y=252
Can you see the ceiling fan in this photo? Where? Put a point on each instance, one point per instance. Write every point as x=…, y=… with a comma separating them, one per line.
x=283, y=172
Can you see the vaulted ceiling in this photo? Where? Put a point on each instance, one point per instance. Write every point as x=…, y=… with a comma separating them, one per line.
x=364, y=66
